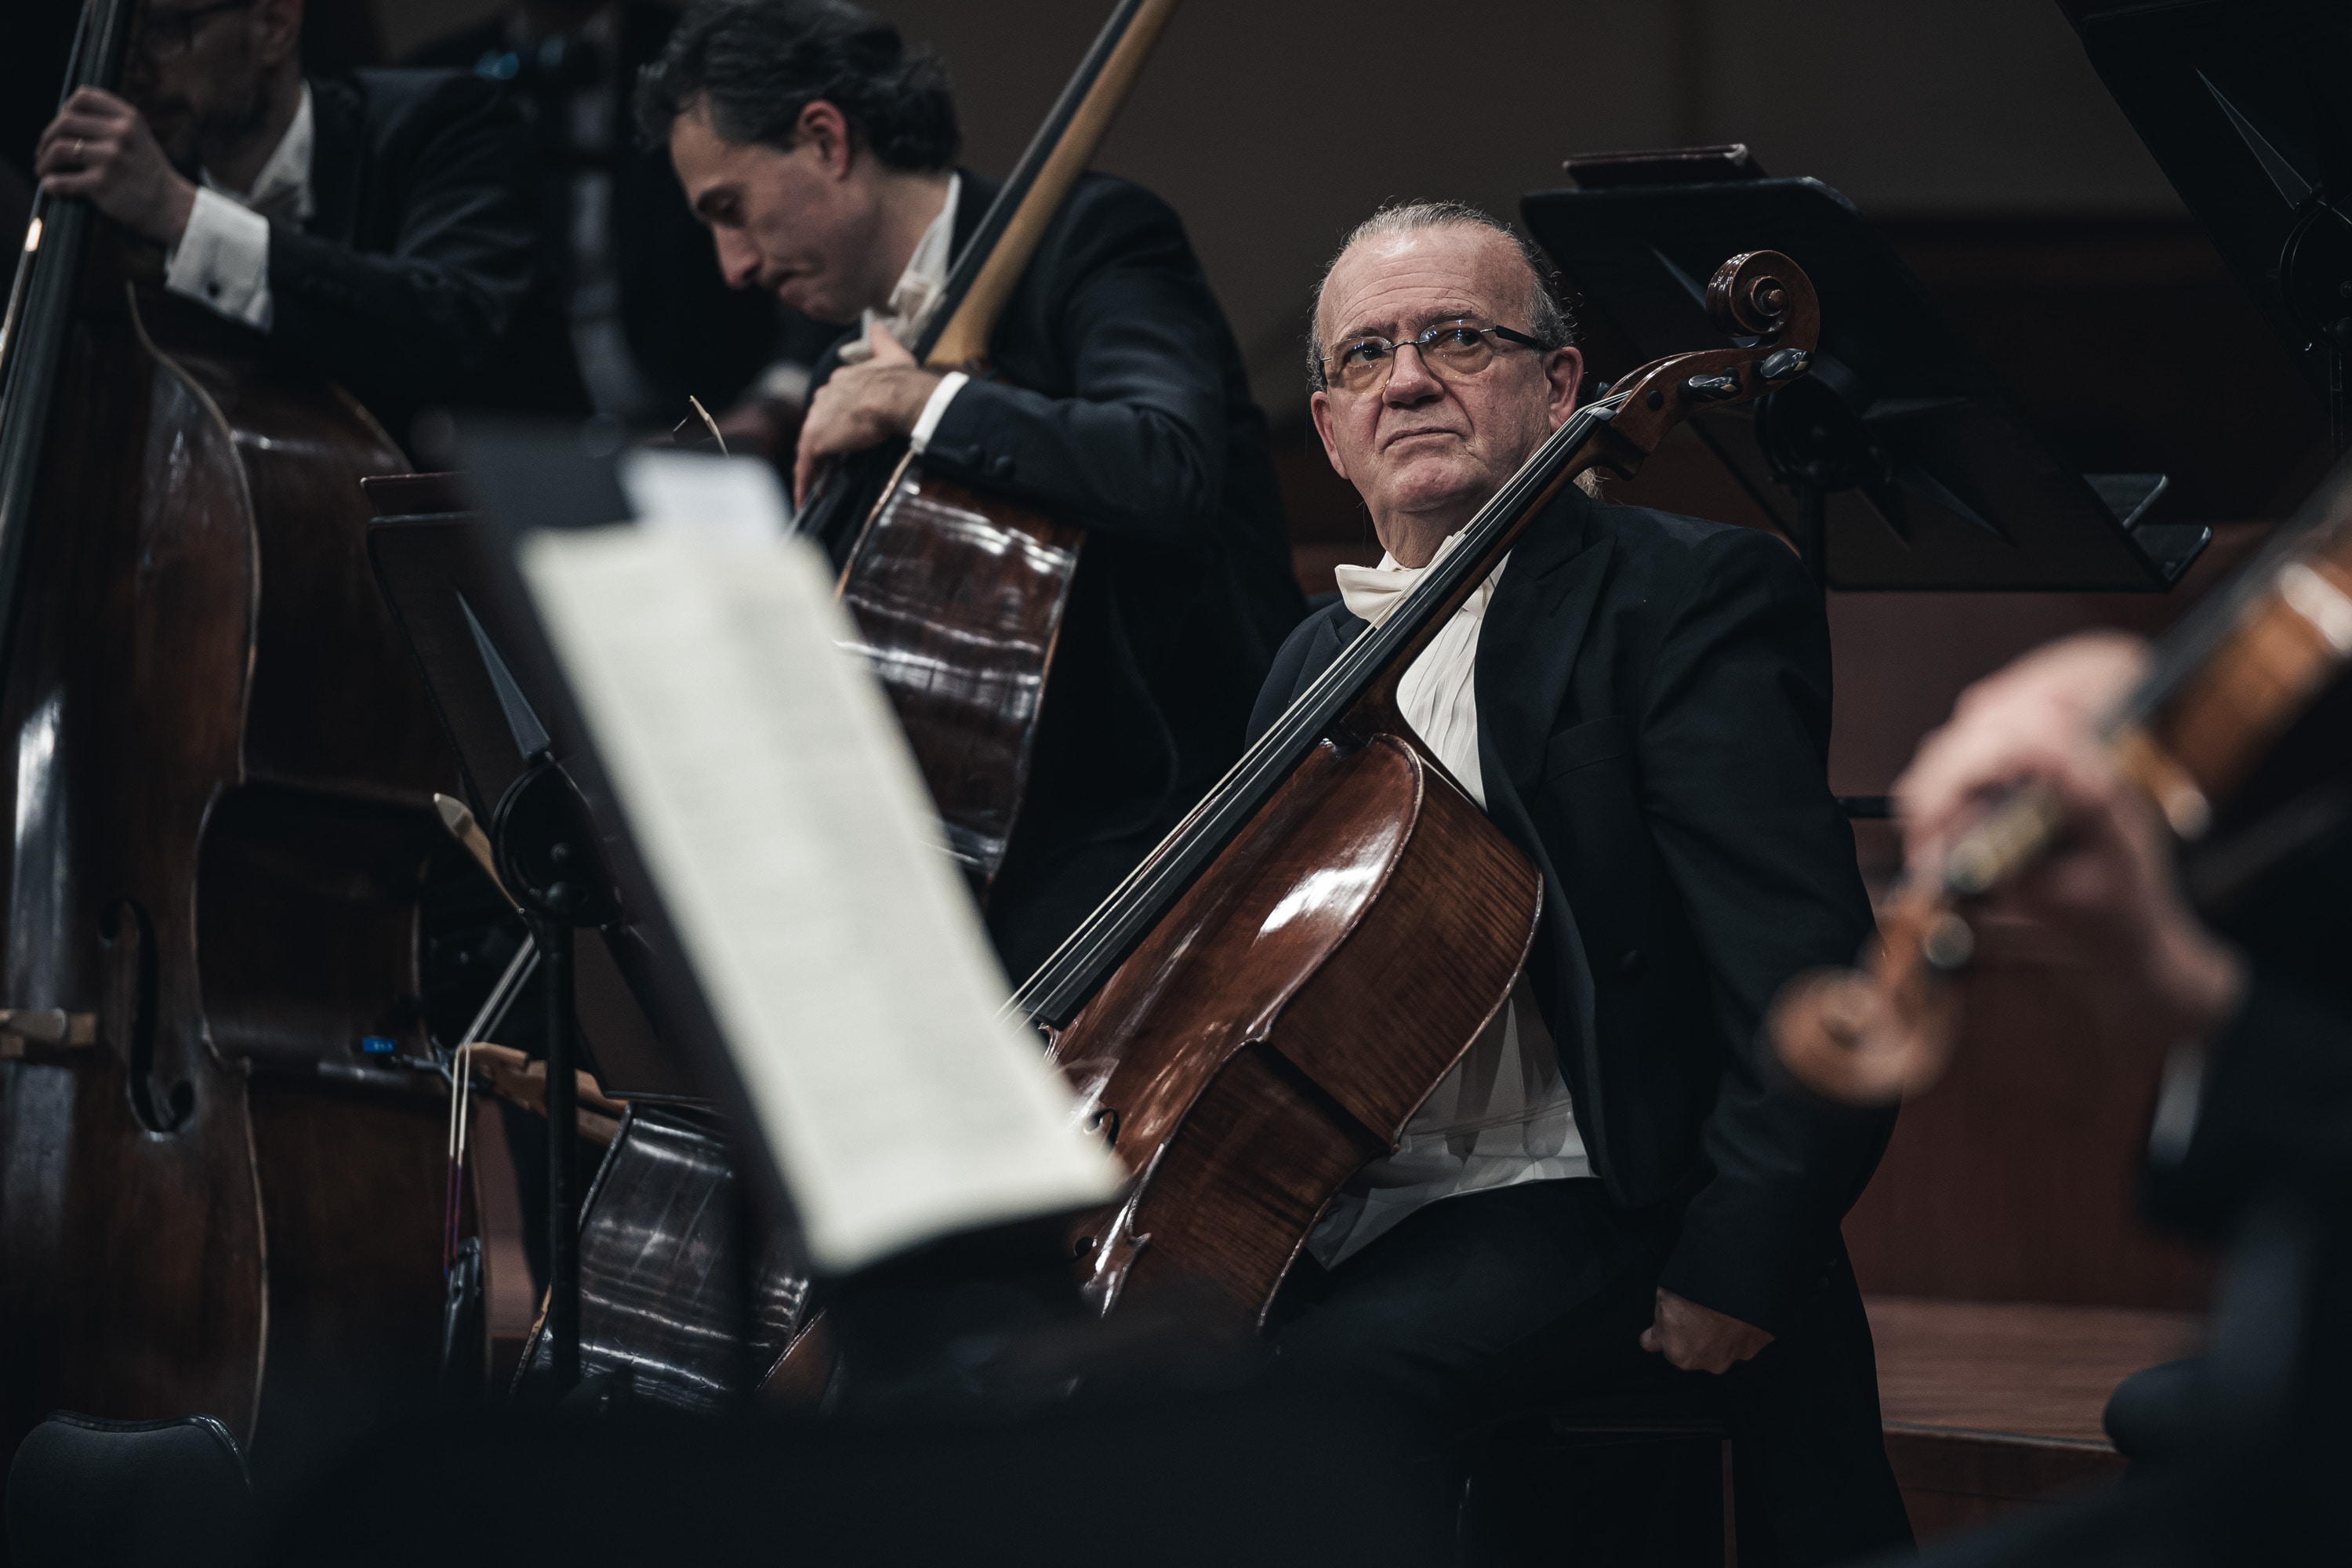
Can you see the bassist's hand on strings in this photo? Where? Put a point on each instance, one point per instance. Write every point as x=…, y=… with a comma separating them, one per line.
x=862, y=405
x=2110, y=885
x=101, y=148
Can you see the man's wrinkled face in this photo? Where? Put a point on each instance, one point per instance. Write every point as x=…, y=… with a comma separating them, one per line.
x=195, y=70
x=786, y=222
x=1422, y=444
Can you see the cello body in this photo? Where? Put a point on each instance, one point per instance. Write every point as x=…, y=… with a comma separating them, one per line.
x=218, y=1186
x=1233, y=1043
x=960, y=601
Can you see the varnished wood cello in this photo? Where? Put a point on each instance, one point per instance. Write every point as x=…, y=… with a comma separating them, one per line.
x=220, y=1158
x=961, y=598
x=1255, y=1014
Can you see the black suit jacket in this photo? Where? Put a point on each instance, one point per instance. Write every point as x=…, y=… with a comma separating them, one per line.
x=688, y=331
x=1653, y=716
x=416, y=281
x=2273, y=1113
x=1119, y=402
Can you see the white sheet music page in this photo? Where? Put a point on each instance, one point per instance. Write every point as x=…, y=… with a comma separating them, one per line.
x=794, y=844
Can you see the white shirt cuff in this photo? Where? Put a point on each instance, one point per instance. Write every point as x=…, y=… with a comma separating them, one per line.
x=223, y=260
x=936, y=409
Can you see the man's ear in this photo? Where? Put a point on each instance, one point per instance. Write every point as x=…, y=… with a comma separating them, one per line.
x=277, y=30
x=1564, y=369
x=1318, y=409
x=823, y=129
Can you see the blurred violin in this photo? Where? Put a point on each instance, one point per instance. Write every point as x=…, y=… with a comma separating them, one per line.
x=2228, y=685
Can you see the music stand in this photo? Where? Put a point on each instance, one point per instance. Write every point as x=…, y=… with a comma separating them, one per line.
x=2241, y=103
x=1900, y=461
x=429, y=562
x=907, y=1134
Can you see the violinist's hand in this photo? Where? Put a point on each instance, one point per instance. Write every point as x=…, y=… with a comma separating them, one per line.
x=2110, y=882
x=101, y=148
x=1700, y=1338
x=862, y=405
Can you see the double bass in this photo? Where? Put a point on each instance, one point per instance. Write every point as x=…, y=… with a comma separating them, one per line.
x=960, y=598
x=220, y=1145
x=1256, y=1012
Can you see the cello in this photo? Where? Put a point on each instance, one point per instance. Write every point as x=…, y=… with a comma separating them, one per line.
x=1256, y=1012
x=220, y=1142
x=960, y=598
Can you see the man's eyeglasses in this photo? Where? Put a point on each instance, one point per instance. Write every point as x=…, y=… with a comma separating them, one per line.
x=169, y=33
x=1452, y=350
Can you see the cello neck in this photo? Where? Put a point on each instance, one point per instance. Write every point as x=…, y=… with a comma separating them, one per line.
x=985, y=275
x=34, y=332
x=1764, y=304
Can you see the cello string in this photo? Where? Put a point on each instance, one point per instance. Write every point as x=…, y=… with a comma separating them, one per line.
x=1148, y=887
x=1280, y=747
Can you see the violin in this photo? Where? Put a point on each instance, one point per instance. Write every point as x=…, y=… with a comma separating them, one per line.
x=2226, y=685
x=220, y=1128
x=961, y=598
x=1256, y=1012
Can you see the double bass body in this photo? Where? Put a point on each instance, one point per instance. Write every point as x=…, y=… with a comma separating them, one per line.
x=213, y=1197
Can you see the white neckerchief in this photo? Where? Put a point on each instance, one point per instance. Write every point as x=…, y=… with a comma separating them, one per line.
x=919, y=286
x=281, y=191
x=1438, y=695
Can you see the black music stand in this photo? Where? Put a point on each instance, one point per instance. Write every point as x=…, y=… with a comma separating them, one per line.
x=437, y=575
x=424, y=545
x=895, y=1319
x=1900, y=462
x=2242, y=104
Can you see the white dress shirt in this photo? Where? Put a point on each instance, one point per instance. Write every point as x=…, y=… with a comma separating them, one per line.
x=916, y=295
x=1502, y=1116
x=222, y=258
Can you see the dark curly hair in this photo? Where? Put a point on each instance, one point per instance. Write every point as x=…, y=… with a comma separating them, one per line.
x=755, y=64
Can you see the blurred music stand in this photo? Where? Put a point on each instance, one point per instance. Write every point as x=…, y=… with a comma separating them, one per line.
x=894, y=1302
x=1900, y=461
x=2242, y=104
x=423, y=543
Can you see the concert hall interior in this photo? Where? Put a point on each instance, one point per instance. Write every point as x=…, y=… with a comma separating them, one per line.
x=862, y=603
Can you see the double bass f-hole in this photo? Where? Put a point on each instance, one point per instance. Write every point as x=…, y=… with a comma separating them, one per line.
x=128, y=936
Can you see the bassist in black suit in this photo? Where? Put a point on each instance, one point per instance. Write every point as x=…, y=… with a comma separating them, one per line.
x=821, y=153
x=379, y=227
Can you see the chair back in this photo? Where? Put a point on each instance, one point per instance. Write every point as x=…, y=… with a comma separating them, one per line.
x=85, y=1491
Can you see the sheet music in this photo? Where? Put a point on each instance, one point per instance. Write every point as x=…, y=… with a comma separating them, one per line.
x=793, y=841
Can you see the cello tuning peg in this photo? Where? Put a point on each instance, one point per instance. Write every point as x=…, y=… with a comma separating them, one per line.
x=1782, y=365
x=1711, y=388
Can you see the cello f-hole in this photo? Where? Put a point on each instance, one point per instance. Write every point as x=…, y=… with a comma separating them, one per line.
x=128, y=935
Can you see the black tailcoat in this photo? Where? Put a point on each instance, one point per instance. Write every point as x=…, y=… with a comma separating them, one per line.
x=416, y=281
x=1654, y=717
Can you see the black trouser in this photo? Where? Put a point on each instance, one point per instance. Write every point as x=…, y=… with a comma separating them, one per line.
x=1498, y=1302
